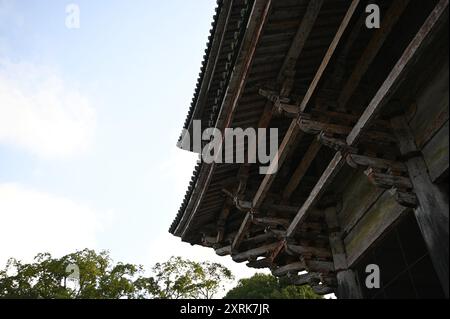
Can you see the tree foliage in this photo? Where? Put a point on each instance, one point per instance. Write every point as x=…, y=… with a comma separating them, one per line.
x=100, y=278
x=181, y=279
x=262, y=286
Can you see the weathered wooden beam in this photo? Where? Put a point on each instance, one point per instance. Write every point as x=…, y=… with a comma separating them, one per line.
x=221, y=221
x=433, y=212
x=355, y=161
x=329, y=54
x=330, y=172
x=322, y=289
x=298, y=43
x=429, y=30
x=346, y=280
x=407, y=199
x=224, y=251
x=315, y=127
x=282, y=152
x=283, y=77
x=260, y=263
x=256, y=240
x=293, y=130
x=305, y=279
x=376, y=43
x=301, y=169
x=321, y=266
x=281, y=208
x=336, y=144
x=245, y=226
x=286, y=71
x=271, y=221
x=254, y=253
x=388, y=180
x=289, y=268
x=309, y=251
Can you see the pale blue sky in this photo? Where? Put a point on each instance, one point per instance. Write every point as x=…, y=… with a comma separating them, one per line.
x=108, y=174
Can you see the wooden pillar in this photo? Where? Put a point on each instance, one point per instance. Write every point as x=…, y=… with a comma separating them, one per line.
x=432, y=212
x=348, y=287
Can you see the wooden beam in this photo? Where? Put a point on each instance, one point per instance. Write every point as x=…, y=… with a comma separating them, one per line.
x=271, y=221
x=305, y=279
x=355, y=160
x=329, y=54
x=331, y=171
x=299, y=250
x=428, y=31
x=321, y=266
x=286, y=70
x=322, y=289
x=315, y=127
x=254, y=253
x=290, y=268
x=376, y=43
x=346, y=280
x=223, y=251
x=245, y=226
x=260, y=263
x=432, y=213
x=293, y=130
x=298, y=43
x=300, y=171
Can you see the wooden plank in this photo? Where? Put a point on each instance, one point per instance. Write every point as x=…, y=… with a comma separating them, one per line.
x=293, y=129
x=336, y=244
x=329, y=54
x=330, y=172
x=271, y=221
x=431, y=107
x=300, y=250
x=348, y=287
x=356, y=160
x=376, y=43
x=283, y=79
x=246, y=223
x=300, y=38
x=282, y=152
x=358, y=197
x=260, y=238
x=300, y=171
x=433, y=212
x=374, y=223
x=319, y=266
x=290, y=268
x=223, y=251
x=305, y=279
x=428, y=31
x=254, y=253
x=436, y=153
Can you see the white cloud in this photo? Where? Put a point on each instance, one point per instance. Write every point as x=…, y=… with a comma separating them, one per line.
x=32, y=222
x=41, y=114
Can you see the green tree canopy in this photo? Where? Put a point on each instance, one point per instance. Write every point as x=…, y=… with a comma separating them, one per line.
x=98, y=277
x=179, y=278
x=262, y=286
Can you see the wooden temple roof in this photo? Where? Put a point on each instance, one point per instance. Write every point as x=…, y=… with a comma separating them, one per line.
x=313, y=70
